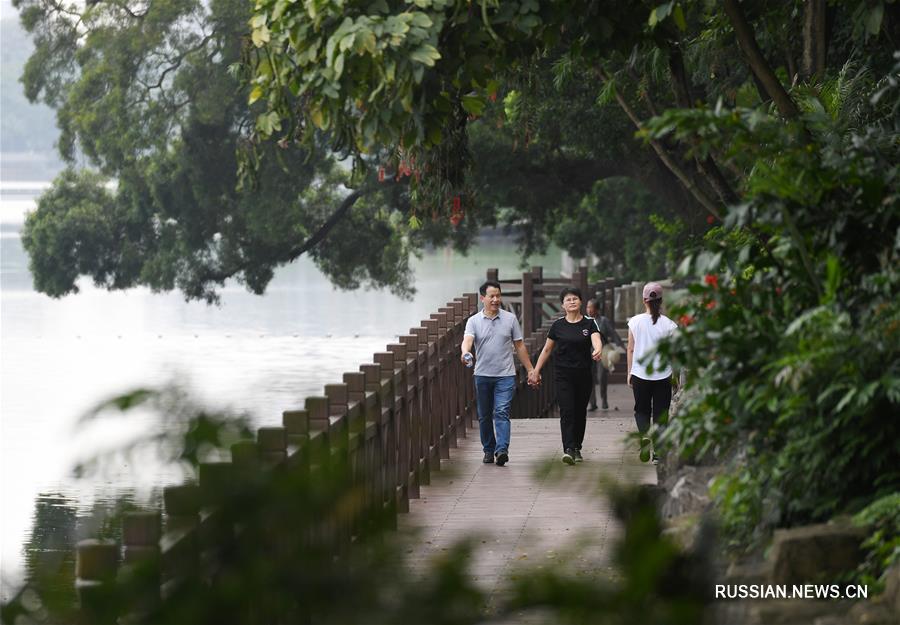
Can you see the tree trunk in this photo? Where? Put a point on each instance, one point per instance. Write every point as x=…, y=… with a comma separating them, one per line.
x=757, y=62
x=814, y=39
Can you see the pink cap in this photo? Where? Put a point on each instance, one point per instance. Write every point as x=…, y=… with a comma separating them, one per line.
x=652, y=291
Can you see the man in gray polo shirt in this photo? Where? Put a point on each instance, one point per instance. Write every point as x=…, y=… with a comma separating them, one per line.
x=495, y=333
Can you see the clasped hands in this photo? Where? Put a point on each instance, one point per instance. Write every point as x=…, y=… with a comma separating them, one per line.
x=534, y=376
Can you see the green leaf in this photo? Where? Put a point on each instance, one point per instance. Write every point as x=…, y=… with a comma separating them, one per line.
x=421, y=20
x=260, y=36
x=529, y=23
x=473, y=104
x=279, y=9
x=664, y=10
x=318, y=118
x=338, y=66
x=426, y=54
x=365, y=42
x=268, y=123
x=255, y=95
x=874, y=19
x=845, y=400
x=607, y=94
x=678, y=16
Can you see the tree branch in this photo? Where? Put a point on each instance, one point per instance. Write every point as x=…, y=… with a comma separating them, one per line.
x=685, y=179
x=757, y=62
x=707, y=167
x=317, y=237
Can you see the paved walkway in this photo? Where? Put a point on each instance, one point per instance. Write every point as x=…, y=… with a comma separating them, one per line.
x=534, y=509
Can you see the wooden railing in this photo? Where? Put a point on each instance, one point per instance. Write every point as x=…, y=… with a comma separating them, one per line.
x=393, y=422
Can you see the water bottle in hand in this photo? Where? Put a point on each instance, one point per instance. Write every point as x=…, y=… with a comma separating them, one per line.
x=470, y=360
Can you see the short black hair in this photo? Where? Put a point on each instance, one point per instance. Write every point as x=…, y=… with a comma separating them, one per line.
x=570, y=290
x=488, y=283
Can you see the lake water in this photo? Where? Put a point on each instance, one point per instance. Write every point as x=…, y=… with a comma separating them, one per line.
x=254, y=354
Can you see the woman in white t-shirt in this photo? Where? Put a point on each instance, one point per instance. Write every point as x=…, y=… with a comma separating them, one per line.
x=652, y=384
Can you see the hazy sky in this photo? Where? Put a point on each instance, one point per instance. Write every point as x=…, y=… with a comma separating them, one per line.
x=6, y=9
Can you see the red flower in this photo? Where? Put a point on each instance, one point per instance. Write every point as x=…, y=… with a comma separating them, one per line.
x=493, y=97
x=777, y=290
x=710, y=219
x=457, y=202
x=455, y=218
x=686, y=320
x=710, y=304
x=712, y=280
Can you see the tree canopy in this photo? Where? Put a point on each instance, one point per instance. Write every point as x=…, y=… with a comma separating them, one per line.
x=147, y=97
x=217, y=132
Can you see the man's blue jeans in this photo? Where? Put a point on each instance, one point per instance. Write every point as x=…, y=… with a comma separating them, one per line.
x=494, y=395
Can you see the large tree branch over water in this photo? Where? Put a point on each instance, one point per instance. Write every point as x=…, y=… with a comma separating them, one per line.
x=293, y=254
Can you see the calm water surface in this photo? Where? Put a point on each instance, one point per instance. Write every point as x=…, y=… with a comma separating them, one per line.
x=254, y=354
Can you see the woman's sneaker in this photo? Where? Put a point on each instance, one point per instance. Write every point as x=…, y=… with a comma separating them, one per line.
x=576, y=453
x=568, y=457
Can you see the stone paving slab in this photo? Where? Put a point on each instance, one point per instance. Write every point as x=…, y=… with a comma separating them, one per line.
x=523, y=514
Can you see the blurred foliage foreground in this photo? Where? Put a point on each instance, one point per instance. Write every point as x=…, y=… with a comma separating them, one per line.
x=274, y=556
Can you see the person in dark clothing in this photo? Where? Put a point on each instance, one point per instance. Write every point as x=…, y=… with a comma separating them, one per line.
x=576, y=340
x=599, y=372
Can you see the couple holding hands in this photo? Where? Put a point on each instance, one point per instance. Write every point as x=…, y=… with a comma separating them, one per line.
x=576, y=341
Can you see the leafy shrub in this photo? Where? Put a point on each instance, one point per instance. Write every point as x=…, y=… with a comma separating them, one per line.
x=882, y=518
x=791, y=327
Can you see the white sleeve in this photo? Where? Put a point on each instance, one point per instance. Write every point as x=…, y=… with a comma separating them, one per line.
x=470, y=326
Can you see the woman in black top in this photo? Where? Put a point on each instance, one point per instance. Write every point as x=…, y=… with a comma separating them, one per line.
x=576, y=340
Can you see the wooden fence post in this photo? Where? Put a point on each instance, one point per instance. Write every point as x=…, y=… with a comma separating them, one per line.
x=375, y=435
x=96, y=565
x=141, y=532
x=272, y=444
x=401, y=412
x=527, y=304
x=414, y=379
x=582, y=284
x=296, y=424
x=385, y=360
x=429, y=450
x=438, y=405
